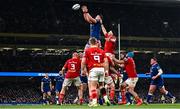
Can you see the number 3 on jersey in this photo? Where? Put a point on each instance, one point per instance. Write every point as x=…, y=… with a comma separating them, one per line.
x=97, y=58
x=72, y=66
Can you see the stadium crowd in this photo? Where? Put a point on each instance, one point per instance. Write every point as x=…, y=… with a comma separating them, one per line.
x=27, y=92
x=53, y=63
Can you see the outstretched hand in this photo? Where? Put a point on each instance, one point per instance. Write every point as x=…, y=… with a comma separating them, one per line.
x=84, y=9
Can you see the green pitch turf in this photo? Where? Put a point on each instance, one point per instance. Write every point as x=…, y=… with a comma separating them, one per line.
x=151, y=106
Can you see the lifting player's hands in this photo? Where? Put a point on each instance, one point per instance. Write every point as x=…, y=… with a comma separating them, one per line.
x=84, y=9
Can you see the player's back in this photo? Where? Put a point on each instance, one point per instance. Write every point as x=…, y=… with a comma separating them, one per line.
x=130, y=67
x=73, y=66
x=95, y=30
x=95, y=57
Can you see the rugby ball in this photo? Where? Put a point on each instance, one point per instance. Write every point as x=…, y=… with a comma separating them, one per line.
x=76, y=6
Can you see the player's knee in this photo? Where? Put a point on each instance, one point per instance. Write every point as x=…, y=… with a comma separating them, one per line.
x=49, y=93
x=130, y=90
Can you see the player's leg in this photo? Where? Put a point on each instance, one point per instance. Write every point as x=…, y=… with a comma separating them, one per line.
x=57, y=94
x=122, y=90
x=49, y=99
x=102, y=88
x=123, y=93
x=92, y=85
x=44, y=97
x=131, y=82
x=110, y=83
x=93, y=92
x=167, y=93
x=152, y=89
x=62, y=94
x=77, y=83
x=67, y=82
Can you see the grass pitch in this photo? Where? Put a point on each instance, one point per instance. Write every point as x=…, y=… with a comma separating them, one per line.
x=151, y=106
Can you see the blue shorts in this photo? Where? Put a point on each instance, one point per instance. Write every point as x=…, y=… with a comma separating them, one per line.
x=125, y=77
x=84, y=79
x=46, y=90
x=58, y=89
x=158, y=83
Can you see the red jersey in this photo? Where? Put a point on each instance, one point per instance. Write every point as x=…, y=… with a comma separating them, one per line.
x=94, y=57
x=109, y=46
x=73, y=67
x=130, y=68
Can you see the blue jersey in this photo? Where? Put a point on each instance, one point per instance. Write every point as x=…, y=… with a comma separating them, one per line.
x=95, y=30
x=46, y=84
x=59, y=81
x=154, y=71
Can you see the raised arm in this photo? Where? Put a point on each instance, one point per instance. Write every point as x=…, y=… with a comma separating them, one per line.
x=118, y=61
x=103, y=29
x=87, y=16
x=106, y=66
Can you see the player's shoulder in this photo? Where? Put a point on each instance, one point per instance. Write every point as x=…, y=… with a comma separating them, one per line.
x=88, y=49
x=77, y=59
x=157, y=66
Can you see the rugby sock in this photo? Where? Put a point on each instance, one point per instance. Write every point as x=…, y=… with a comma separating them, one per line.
x=169, y=94
x=57, y=99
x=81, y=100
x=128, y=97
x=94, y=94
x=61, y=97
x=149, y=96
x=112, y=93
x=137, y=99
